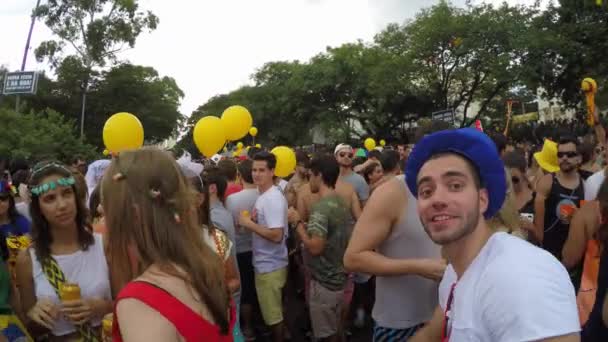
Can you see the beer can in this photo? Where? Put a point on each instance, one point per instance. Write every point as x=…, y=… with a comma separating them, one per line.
x=69, y=291
x=106, y=327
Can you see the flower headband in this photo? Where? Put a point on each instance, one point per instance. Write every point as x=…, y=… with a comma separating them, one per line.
x=52, y=185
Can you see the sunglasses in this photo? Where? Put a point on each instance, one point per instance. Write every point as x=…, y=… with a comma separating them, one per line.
x=515, y=180
x=349, y=155
x=567, y=154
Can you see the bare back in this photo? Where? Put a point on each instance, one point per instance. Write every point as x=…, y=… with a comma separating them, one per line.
x=139, y=322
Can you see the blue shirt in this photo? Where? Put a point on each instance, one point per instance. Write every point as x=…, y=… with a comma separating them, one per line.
x=21, y=226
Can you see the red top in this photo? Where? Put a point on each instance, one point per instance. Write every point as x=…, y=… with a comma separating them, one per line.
x=190, y=325
x=232, y=189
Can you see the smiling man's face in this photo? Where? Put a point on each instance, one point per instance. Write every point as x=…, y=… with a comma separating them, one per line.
x=450, y=201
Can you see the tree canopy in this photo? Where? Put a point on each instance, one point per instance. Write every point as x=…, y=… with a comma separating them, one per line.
x=38, y=136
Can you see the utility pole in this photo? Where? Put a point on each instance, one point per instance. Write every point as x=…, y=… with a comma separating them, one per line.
x=27, y=48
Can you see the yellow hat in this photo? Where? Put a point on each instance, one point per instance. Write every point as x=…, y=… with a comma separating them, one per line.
x=547, y=157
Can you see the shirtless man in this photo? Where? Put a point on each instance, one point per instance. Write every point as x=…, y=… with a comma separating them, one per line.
x=306, y=199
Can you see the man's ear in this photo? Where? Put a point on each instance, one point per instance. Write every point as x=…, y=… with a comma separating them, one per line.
x=484, y=201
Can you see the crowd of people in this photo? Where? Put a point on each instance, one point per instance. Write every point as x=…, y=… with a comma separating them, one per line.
x=462, y=236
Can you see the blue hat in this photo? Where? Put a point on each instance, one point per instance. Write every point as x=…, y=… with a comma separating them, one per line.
x=472, y=144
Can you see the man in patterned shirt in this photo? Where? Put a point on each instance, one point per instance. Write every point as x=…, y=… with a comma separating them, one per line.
x=325, y=239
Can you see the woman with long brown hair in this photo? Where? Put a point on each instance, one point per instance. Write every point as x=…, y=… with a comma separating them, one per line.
x=64, y=250
x=177, y=292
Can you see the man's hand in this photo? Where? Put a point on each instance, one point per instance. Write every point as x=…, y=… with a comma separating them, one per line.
x=245, y=220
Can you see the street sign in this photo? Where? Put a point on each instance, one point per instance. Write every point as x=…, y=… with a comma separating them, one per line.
x=22, y=82
x=444, y=115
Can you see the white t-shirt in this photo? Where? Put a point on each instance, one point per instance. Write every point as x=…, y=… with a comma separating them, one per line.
x=592, y=185
x=283, y=184
x=512, y=291
x=271, y=212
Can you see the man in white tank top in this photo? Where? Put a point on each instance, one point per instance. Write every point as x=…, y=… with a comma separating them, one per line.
x=388, y=241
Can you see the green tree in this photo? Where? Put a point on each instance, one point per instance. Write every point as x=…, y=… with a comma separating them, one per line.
x=38, y=136
x=94, y=30
x=124, y=88
x=572, y=47
x=463, y=56
x=139, y=90
x=365, y=84
x=277, y=102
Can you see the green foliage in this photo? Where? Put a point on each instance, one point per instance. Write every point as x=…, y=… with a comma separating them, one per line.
x=124, y=88
x=572, y=47
x=141, y=91
x=38, y=136
x=447, y=57
x=96, y=29
x=463, y=56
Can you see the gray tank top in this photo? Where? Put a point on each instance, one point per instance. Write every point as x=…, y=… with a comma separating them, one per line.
x=408, y=300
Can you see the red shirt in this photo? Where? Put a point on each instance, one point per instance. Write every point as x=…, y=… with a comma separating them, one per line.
x=232, y=189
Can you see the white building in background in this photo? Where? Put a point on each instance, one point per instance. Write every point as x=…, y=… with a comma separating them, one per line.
x=548, y=110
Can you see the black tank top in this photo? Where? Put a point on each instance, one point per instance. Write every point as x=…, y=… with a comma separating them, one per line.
x=595, y=329
x=556, y=230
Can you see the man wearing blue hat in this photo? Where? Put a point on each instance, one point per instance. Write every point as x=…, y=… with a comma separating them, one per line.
x=496, y=287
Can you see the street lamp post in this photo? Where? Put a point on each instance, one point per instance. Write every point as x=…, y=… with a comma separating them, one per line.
x=27, y=48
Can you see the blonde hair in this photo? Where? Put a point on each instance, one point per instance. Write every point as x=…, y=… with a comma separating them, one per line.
x=148, y=207
x=508, y=219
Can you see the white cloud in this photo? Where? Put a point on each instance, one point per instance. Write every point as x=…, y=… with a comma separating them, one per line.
x=212, y=47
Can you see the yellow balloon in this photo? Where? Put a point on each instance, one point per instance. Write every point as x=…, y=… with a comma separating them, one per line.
x=286, y=161
x=369, y=144
x=253, y=131
x=239, y=145
x=123, y=131
x=382, y=143
x=209, y=136
x=237, y=121
x=258, y=145
x=589, y=85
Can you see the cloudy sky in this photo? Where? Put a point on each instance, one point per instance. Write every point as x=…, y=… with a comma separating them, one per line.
x=212, y=47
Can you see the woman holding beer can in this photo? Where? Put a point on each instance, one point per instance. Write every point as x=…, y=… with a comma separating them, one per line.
x=177, y=291
x=63, y=278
